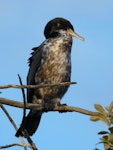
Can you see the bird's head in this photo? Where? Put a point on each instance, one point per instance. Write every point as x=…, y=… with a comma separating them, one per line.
x=53, y=26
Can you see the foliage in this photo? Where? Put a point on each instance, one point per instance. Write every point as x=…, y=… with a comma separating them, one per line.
x=105, y=115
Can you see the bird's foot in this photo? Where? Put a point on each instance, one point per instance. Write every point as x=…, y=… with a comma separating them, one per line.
x=61, y=106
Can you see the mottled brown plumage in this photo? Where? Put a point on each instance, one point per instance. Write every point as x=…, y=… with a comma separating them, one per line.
x=49, y=63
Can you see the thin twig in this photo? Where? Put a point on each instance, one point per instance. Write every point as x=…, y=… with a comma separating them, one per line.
x=24, y=110
x=14, y=144
x=36, y=86
x=26, y=135
x=9, y=117
x=24, y=101
x=24, y=97
x=32, y=144
x=39, y=107
x=13, y=123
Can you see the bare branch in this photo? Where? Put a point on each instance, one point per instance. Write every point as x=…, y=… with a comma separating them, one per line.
x=9, y=117
x=24, y=97
x=62, y=108
x=14, y=144
x=24, y=101
x=13, y=123
x=36, y=86
x=32, y=144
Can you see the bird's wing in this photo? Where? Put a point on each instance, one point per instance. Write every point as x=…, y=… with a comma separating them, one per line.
x=34, y=63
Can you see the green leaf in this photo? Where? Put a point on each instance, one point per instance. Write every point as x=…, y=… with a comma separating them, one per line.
x=110, y=138
x=111, y=107
x=100, y=109
x=111, y=129
x=104, y=119
x=104, y=139
x=103, y=132
x=94, y=118
x=100, y=117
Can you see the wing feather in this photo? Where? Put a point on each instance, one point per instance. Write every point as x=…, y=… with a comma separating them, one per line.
x=34, y=63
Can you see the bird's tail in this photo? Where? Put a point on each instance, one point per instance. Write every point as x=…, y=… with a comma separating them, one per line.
x=30, y=123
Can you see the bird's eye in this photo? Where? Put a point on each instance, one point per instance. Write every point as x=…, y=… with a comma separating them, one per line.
x=58, y=24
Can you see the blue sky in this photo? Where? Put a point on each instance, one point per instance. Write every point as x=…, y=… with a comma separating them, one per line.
x=21, y=28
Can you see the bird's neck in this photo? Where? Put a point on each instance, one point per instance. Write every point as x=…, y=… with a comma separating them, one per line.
x=62, y=37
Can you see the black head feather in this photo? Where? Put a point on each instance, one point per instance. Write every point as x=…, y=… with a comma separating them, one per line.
x=52, y=27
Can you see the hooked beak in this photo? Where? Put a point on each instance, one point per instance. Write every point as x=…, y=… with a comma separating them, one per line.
x=72, y=33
